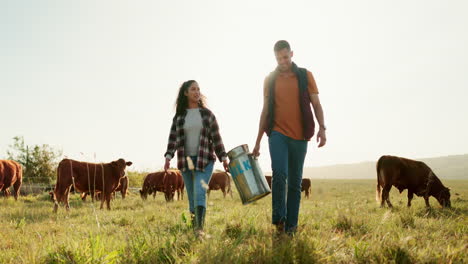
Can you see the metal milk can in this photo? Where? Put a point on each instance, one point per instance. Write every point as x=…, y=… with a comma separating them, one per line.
x=247, y=174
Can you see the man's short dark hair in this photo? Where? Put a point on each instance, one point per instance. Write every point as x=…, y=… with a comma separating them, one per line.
x=281, y=44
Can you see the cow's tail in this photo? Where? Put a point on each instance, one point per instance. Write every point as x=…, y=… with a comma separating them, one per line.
x=378, y=192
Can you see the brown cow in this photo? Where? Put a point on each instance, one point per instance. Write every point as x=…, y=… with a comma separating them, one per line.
x=152, y=183
x=179, y=187
x=413, y=175
x=88, y=177
x=123, y=187
x=11, y=174
x=305, y=186
x=220, y=181
x=172, y=184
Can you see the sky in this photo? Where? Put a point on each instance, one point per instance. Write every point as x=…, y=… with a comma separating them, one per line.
x=98, y=79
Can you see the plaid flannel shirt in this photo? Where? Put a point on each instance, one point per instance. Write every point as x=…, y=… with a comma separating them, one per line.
x=210, y=141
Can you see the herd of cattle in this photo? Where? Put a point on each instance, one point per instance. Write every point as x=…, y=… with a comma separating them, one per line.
x=102, y=180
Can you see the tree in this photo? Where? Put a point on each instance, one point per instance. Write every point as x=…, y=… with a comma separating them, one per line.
x=39, y=161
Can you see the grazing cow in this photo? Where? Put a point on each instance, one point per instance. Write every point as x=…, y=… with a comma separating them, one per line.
x=88, y=177
x=173, y=183
x=179, y=184
x=305, y=185
x=123, y=187
x=220, y=181
x=11, y=174
x=152, y=183
x=413, y=175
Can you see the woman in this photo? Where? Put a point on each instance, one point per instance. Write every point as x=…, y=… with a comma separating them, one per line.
x=195, y=136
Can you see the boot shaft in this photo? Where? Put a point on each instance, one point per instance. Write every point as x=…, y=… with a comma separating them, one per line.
x=200, y=217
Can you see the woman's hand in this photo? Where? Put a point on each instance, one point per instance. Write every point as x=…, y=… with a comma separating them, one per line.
x=226, y=165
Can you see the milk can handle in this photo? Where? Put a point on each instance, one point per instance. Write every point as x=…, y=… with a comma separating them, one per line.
x=252, y=156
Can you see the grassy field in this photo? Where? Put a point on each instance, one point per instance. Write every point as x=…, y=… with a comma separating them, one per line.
x=340, y=223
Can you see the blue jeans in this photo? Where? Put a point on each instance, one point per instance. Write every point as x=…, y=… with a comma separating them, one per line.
x=287, y=163
x=197, y=187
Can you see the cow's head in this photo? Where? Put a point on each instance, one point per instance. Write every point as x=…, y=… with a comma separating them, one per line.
x=444, y=197
x=143, y=194
x=120, y=166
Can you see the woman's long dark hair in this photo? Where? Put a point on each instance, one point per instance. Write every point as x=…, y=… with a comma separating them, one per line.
x=181, y=103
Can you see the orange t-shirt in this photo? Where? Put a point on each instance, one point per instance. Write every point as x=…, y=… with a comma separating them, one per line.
x=288, y=116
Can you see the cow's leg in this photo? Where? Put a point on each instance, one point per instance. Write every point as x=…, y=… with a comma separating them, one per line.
x=16, y=188
x=67, y=198
x=57, y=199
x=102, y=203
x=386, y=196
x=410, y=197
x=108, y=197
x=307, y=193
x=6, y=192
x=426, y=199
x=224, y=192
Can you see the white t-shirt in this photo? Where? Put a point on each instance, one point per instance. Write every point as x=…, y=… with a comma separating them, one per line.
x=192, y=128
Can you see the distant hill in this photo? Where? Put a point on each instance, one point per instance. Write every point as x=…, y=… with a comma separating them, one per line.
x=448, y=167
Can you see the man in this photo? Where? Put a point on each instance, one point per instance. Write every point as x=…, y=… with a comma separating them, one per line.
x=288, y=121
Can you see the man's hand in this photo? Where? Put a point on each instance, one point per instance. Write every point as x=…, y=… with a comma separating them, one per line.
x=167, y=164
x=256, y=150
x=321, y=138
x=226, y=165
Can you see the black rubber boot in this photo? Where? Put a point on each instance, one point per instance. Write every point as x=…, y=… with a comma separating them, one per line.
x=200, y=217
x=199, y=221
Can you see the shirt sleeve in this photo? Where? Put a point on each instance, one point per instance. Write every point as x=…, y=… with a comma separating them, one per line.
x=311, y=85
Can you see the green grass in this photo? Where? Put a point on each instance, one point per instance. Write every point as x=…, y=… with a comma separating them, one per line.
x=341, y=223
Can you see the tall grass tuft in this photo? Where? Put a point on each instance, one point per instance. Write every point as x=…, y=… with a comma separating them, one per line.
x=342, y=223
x=90, y=251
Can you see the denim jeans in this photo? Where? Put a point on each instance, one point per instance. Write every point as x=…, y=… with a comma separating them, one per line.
x=197, y=185
x=287, y=163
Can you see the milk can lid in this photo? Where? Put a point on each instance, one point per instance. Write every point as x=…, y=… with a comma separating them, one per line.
x=241, y=149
